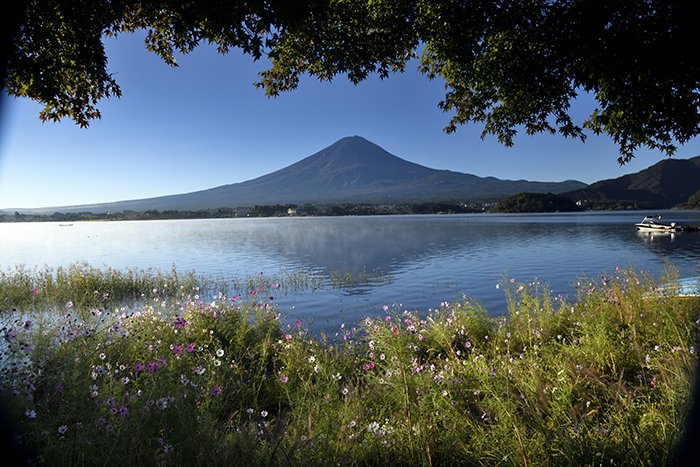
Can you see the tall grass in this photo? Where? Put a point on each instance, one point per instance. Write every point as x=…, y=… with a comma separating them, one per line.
x=86, y=286
x=604, y=379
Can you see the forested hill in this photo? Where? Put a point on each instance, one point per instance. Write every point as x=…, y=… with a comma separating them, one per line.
x=663, y=185
x=535, y=202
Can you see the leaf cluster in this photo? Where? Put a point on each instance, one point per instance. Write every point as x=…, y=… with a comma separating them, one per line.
x=518, y=65
x=58, y=57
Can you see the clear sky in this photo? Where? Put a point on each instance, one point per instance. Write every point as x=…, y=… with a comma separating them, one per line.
x=204, y=124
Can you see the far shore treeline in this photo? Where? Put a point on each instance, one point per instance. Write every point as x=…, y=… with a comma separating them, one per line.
x=520, y=203
x=276, y=210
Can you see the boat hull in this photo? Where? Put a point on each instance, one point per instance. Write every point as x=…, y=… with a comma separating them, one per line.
x=658, y=228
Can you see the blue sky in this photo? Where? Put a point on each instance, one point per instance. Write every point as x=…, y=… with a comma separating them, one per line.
x=204, y=124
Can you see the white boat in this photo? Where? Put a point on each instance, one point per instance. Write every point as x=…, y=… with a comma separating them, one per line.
x=654, y=224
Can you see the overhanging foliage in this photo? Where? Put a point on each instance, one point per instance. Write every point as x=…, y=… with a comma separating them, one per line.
x=512, y=65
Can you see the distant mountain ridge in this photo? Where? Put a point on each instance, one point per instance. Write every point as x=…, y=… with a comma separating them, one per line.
x=665, y=184
x=351, y=170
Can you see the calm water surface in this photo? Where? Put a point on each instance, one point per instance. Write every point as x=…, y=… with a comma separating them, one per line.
x=415, y=261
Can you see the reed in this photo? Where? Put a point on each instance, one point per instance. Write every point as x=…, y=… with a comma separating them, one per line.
x=84, y=286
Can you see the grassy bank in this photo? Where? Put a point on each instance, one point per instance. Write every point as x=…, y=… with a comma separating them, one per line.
x=603, y=379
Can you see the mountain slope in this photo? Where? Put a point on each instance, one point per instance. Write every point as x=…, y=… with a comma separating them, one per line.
x=352, y=170
x=356, y=170
x=663, y=185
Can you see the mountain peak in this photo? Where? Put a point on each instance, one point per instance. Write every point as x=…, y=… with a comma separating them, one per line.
x=354, y=138
x=354, y=143
x=352, y=161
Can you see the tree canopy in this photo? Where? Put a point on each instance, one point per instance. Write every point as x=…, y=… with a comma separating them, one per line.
x=510, y=65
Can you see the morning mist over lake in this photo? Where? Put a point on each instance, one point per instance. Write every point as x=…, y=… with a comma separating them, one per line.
x=415, y=261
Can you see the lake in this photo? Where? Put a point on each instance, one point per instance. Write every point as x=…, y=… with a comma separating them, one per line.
x=415, y=261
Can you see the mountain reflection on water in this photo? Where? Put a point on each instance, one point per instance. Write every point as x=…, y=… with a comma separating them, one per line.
x=416, y=261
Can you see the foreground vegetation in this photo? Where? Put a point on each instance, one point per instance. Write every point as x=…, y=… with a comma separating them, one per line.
x=602, y=380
